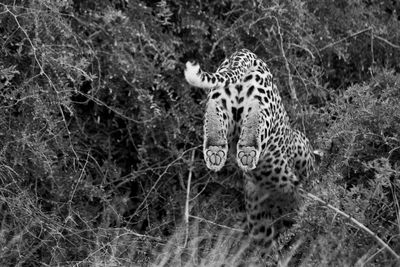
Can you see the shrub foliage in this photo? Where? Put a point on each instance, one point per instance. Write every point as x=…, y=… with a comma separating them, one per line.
x=99, y=131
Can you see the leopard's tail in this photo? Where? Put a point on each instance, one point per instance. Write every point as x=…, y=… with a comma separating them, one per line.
x=196, y=77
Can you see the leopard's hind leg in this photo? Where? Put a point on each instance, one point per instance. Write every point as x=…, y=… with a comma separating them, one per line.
x=249, y=145
x=215, y=146
x=302, y=154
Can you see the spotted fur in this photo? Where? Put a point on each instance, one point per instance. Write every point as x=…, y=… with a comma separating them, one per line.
x=244, y=108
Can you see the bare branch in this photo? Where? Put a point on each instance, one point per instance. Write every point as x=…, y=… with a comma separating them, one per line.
x=387, y=41
x=345, y=38
x=293, y=93
x=186, y=214
x=373, y=36
x=159, y=178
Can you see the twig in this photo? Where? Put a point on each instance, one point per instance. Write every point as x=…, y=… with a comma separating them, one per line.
x=396, y=203
x=117, y=113
x=373, y=36
x=293, y=93
x=304, y=48
x=158, y=180
x=345, y=38
x=33, y=249
x=371, y=40
x=42, y=72
x=69, y=217
x=387, y=41
x=202, y=190
x=118, y=238
x=357, y=223
x=284, y=261
x=228, y=32
x=391, y=151
x=377, y=252
x=79, y=179
x=186, y=214
x=217, y=224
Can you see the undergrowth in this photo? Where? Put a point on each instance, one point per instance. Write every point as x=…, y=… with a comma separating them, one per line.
x=101, y=161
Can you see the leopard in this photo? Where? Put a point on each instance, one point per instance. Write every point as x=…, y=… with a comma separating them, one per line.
x=245, y=115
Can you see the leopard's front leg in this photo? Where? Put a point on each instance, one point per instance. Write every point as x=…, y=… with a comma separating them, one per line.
x=215, y=146
x=249, y=145
x=271, y=200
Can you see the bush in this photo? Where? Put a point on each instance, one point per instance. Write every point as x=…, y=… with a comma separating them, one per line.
x=99, y=131
x=360, y=175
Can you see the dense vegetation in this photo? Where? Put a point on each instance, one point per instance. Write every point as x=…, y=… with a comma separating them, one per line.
x=101, y=136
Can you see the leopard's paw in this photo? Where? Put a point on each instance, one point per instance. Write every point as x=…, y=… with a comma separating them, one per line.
x=215, y=157
x=247, y=158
